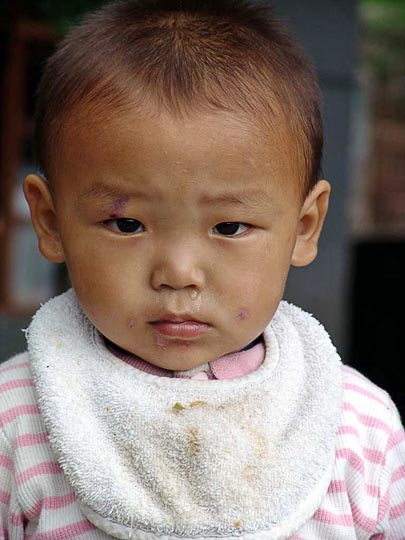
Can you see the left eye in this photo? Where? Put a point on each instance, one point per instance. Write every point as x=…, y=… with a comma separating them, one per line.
x=125, y=225
x=231, y=228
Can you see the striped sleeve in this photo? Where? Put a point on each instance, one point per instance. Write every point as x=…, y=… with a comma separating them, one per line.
x=11, y=516
x=36, y=500
x=392, y=484
x=13, y=377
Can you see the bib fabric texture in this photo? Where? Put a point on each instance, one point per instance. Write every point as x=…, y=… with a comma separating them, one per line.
x=166, y=458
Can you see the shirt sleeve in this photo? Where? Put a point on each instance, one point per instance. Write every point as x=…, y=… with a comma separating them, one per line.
x=392, y=485
x=11, y=516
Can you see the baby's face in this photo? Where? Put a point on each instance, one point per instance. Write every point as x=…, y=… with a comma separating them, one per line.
x=178, y=235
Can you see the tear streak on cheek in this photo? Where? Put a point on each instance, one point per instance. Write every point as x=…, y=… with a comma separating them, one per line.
x=243, y=314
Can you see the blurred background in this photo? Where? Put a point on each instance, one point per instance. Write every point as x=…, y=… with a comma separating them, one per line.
x=356, y=287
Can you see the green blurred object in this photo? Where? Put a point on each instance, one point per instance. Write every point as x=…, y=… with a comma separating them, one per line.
x=59, y=13
x=383, y=25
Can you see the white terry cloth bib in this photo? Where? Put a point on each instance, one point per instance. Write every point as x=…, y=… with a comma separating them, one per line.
x=159, y=458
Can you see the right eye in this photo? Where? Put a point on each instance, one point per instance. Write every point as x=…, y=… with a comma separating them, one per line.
x=125, y=225
x=231, y=229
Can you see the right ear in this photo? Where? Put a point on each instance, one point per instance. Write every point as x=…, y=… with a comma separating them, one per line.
x=43, y=216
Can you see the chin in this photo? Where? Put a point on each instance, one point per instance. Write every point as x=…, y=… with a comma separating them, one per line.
x=178, y=365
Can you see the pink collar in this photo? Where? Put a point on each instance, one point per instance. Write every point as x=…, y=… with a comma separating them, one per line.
x=229, y=366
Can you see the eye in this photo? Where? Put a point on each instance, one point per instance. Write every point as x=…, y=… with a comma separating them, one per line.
x=231, y=228
x=125, y=225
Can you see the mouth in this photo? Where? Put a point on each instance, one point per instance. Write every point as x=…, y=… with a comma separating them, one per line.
x=180, y=326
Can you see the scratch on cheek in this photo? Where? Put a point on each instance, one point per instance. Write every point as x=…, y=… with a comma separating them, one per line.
x=243, y=314
x=131, y=323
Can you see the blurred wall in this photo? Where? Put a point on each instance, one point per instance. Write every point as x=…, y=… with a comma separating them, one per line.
x=328, y=30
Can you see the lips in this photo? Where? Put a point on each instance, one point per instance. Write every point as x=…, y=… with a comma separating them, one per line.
x=180, y=326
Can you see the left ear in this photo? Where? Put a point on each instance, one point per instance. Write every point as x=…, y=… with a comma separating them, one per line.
x=310, y=224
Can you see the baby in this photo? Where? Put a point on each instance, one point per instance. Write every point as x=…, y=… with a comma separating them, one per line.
x=171, y=393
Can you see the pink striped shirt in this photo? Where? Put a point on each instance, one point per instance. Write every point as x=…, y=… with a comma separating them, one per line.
x=365, y=499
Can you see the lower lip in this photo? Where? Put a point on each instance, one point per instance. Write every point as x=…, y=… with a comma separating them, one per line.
x=184, y=329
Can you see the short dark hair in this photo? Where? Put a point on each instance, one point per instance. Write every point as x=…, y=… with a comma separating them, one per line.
x=187, y=55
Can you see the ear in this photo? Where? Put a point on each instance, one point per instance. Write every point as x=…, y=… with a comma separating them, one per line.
x=43, y=217
x=310, y=224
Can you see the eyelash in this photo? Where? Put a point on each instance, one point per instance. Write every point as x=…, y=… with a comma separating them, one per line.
x=233, y=223
x=123, y=221
x=129, y=221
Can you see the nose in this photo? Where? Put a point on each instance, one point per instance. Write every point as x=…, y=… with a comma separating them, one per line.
x=177, y=269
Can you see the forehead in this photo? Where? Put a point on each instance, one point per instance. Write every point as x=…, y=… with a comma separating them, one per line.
x=227, y=147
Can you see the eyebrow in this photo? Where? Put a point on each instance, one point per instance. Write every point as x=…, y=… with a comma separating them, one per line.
x=246, y=198
x=102, y=190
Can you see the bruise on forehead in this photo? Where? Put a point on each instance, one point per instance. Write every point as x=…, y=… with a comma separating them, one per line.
x=118, y=206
